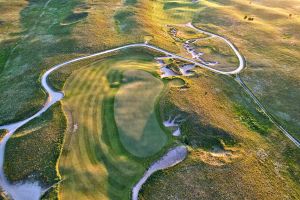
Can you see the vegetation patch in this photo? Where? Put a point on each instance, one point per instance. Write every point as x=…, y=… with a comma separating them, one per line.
x=206, y=136
x=23, y=61
x=75, y=17
x=125, y=20
x=130, y=2
x=2, y=133
x=250, y=121
x=176, y=82
x=33, y=151
x=245, y=108
x=176, y=4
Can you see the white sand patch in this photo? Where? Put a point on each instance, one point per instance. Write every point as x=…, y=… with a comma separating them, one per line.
x=177, y=132
x=174, y=123
x=186, y=70
x=166, y=72
x=173, y=157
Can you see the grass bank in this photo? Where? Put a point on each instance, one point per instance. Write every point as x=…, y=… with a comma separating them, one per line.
x=225, y=142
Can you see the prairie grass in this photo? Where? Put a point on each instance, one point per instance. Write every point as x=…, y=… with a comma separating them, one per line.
x=270, y=44
x=33, y=151
x=223, y=147
x=23, y=61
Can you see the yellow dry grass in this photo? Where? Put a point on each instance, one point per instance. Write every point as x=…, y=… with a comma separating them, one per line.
x=10, y=18
x=255, y=168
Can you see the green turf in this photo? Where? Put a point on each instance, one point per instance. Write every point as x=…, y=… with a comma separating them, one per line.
x=94, y=154
x=135, y=115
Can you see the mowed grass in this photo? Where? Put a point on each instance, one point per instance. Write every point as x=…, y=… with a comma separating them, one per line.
x=135, y=114
x=43, y=42
x=263, y=153
x=95, y=164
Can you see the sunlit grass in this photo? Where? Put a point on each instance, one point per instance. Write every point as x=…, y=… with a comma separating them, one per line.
x=94, y=153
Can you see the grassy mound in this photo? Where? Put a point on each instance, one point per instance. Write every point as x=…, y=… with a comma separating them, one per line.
x=225, y=142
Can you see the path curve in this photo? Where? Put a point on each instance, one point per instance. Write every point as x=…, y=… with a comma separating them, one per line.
x=242, y=62
x=242, y=65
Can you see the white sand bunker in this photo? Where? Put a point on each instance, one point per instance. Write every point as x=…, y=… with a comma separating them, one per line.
x=173, y=157
x=185, y=70
x=174, y=123
x=166, y=72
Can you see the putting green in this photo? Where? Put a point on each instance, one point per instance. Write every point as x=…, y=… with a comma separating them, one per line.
x=95, y=163
x=135, y=115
